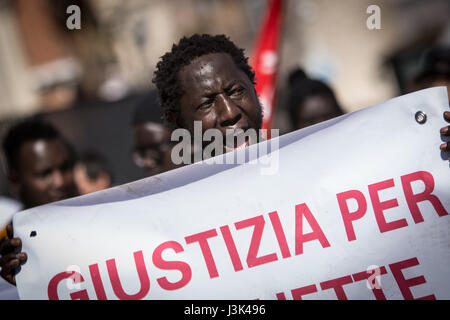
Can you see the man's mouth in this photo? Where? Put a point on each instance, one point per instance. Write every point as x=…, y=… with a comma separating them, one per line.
x=234, y=143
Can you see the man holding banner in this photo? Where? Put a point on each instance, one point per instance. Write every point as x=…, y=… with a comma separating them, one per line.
x=40, y=167
x=207, y=79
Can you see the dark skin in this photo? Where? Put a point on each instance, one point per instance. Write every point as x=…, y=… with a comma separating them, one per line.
x=43, y=175
x=445, y=131
x=217, y=93
x=152, y=147
x=222, y=112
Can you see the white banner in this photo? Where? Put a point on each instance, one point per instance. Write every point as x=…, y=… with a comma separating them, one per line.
x=356, y=207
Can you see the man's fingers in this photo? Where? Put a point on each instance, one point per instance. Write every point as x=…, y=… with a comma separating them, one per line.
x=445, y=131
x=11, y=261
x=8, y=263
x=9, y=245
x=5, y=246
x=22, y=256
x=447, y=115
x=445, y=146
x=9, y=277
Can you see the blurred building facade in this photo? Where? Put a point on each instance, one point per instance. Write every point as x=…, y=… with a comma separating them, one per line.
x=45, y=66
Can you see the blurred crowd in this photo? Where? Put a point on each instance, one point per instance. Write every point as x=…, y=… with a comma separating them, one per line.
x=43, y=167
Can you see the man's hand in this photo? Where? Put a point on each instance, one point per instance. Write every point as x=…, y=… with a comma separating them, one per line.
x=9, y=258
x=445, y=131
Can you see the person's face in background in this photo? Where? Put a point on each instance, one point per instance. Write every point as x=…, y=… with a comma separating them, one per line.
x=315, y=109
x=152, y=147
x=44, y=173
x=86, y=184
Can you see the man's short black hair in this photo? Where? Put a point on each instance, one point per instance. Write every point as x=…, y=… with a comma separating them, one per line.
x=26, y=131
x=182, y=54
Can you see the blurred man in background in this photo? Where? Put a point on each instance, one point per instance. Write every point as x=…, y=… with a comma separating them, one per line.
x=40, y=163
x=153, y=146
x=92, y=173
x=310, y=101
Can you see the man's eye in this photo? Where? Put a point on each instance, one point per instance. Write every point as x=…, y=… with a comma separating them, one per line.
x=205, y=105
x=237, y=92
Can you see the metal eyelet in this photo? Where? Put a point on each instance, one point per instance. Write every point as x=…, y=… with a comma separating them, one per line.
x=421, y=117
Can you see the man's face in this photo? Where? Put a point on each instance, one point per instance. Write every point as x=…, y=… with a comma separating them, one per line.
x=219, y=94
x=151, y=147
x=44, y=173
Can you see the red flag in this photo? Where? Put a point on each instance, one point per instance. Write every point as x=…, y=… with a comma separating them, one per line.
x=265, y=60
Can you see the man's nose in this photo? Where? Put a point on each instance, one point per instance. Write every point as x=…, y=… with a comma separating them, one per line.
x=230, y=113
